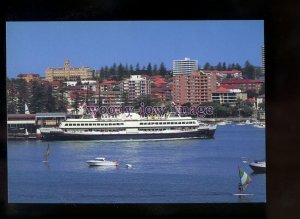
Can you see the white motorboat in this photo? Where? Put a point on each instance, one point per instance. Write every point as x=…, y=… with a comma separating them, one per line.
x=101, y=161
x=258, y=166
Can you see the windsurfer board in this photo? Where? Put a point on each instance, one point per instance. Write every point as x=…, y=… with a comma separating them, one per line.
x=242, y=194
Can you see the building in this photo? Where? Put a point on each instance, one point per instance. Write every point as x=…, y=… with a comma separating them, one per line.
x=195, y=88
x=68, y=73
x=135, y=87
x=243, y=84
x=186, y=66
x=29, y=77
x=228, y=96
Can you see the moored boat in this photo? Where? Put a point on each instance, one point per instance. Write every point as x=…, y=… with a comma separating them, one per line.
x=258, y=166
x=128, y=127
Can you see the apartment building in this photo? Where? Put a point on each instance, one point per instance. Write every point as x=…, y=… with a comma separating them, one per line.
x=186, y=66
x=135, y=87
x=195, y=88
x=228, y=96
x=68, y=73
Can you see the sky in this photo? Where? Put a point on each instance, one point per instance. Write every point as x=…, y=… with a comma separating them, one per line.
x=32, y=47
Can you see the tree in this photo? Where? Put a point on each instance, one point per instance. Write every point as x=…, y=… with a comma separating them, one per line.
x=75, y=103
x=22, y=95
x=137, y=68
x=38, y=100
x=162, y=69
x=224, y=68
x=251, y=93
x=149, y=69
x=248, y=70
x=219, y=66
x=206, y=66
x=50, y=105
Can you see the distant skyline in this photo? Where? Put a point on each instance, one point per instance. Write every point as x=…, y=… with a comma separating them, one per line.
x=31, y=47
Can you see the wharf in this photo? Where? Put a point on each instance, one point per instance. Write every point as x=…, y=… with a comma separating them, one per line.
x=20, y=136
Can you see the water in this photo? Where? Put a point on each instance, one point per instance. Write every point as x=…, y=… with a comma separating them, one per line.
x=178, y=171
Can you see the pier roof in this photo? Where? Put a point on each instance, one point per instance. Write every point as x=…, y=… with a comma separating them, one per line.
x=48, y=115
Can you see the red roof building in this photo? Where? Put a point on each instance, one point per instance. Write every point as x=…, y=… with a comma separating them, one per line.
x=244, y=84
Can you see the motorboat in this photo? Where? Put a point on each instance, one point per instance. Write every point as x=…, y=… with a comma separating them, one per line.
x=101, y=161
x=258, y=166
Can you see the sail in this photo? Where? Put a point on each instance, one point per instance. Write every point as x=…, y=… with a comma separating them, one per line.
x=245, y=179
x=26, y=109
x=47, y=153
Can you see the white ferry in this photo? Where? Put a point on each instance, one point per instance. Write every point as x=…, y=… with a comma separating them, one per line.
x=128, y=127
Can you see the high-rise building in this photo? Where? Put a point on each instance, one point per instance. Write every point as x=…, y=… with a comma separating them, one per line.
x=263, y=59
x=68, y=73
x=195, y=88
x=186, y=66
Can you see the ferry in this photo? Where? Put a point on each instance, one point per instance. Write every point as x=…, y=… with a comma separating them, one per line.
x=128, y=126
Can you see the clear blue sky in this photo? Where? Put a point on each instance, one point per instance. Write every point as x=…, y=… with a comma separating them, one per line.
x=31, y=47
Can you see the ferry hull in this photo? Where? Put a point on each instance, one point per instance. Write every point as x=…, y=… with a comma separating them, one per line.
x=61, y=136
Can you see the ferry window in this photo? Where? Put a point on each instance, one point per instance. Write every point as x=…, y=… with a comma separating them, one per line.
x=183, y=122
x=105, y=124
x=109, y=124
x=67, y=124
x=164, y=123
x=82, y=124
x=156, y=123
x=160, y=123
x=168, y=122
x=90, y=124
x=141, y=123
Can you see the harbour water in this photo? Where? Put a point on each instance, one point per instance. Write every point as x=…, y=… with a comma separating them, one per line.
x=170, y=171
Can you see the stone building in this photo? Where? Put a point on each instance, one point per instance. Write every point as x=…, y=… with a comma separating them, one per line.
x=68, y=73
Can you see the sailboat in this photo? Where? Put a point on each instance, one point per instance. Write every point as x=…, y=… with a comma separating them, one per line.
x=240, y=123
x=245, y=180
x=47, y=153
x=26, y=109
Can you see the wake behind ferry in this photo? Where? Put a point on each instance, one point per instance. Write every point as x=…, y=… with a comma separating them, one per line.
x=128, y=126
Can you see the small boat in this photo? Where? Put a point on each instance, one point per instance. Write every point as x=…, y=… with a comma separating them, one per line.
x=258, y=166
x=260, y=125
x=101, y=161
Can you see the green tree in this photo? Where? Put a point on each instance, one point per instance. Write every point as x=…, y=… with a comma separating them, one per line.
x=219, y=66
x=206, y=66
x=75, y=103
x=162, y=69
x=149, y=69
x=38, y=100
x=50, y=105
x=224, y=68
x=22, y=95
x=248, y=70
x=251, y=93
